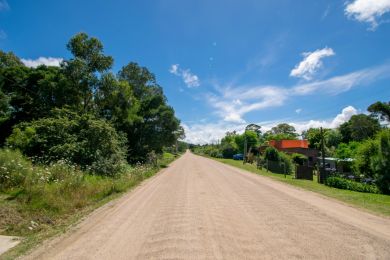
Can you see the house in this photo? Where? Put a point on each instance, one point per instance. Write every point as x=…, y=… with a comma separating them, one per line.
x=296, y=146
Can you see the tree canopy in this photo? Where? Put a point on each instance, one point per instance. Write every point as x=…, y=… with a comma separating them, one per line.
x=84, y=86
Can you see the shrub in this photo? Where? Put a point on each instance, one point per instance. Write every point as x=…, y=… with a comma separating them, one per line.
x=272, y=154
x=341, y=183
x=228, y=151
x=14, y=168
x=382, y=161
x=286, y=160
x=299, y=159
x=84, y=140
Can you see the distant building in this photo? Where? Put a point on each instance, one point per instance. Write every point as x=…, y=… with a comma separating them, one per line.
x=296, y=146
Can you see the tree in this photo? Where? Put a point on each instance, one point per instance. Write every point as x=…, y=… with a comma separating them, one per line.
x=349, y=150
x=251, y=138
x=358, y=128
x=140, y=78
x=82, y=70
x=281, y=132
x=382, y=162
x=156, y=124
x=333, y=137
x=380, y=110
x=9, y=59
x=314, y=136
x=366, y=153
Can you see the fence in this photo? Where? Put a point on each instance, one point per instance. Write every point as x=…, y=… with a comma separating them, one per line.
x=304, y=172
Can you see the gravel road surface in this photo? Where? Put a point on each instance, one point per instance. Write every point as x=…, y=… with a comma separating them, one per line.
x=202, y=209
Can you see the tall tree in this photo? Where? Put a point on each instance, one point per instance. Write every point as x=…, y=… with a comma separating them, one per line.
x=84, y=68
x=359, y=127
x=157, y=124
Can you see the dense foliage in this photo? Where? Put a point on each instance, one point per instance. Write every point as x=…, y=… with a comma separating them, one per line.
x=361, y=147
x=345, y=184
x=83, y=112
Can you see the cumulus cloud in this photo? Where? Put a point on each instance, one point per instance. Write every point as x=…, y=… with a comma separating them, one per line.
x=4, y=6
x=48, y=61
x=369, y=11
x=213, y=132
x=298, y=110
x=311, y=63
x=191, y=80
x=344, y=116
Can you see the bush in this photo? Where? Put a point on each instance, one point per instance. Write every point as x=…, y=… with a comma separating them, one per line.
x=382, y=161
x=286, y=160
x=228, y=152
x=299, y=159
x=84, y=140
x=271, y=154
x=341, y=183
x=14, y=169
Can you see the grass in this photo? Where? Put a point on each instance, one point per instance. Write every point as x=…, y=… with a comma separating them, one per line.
x=378, y=204
x=40, y=208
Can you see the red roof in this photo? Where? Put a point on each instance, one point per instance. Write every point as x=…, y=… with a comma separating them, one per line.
x=283, y=144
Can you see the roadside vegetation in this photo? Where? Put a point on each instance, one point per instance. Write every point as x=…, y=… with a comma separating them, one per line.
x=361, y=146
x=372, y=202
x=73, y=137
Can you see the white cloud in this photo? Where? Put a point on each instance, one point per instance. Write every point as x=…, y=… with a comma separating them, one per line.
x=232, y=103
x=343, y=83
x=298, y=110
x=311, y=63
x=343, y=117
x=4, y=6
x=191, y=80
x=48, y=61
x=369, y=11
x=213, y=132
x=174, y=69
x=209, y=132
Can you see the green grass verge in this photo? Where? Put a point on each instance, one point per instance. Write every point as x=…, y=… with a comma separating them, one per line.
x=51, y=210
x=378, y=204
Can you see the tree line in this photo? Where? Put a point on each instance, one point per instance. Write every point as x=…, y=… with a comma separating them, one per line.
x=365, y=138
x=82, y=111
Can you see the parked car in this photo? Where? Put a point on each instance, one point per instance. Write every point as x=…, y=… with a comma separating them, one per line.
x=238, y=156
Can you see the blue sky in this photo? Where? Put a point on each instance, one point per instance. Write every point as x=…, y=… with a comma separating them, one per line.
x=224, y=64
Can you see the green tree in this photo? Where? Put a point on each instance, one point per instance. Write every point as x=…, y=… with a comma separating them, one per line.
x=382, y=162
x=313, y=135
x=281, y=132
x=380, y=110
x=84, y=68
x=156, y=124
x=9, y=59
x=358, y=128
x=349, y=150
x=366, y=153
x=251, y=137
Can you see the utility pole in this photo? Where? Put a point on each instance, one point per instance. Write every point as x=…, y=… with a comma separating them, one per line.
x=245, y=147
x=322, y=154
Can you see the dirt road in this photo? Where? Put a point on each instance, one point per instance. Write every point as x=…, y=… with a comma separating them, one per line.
x=202, y=209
